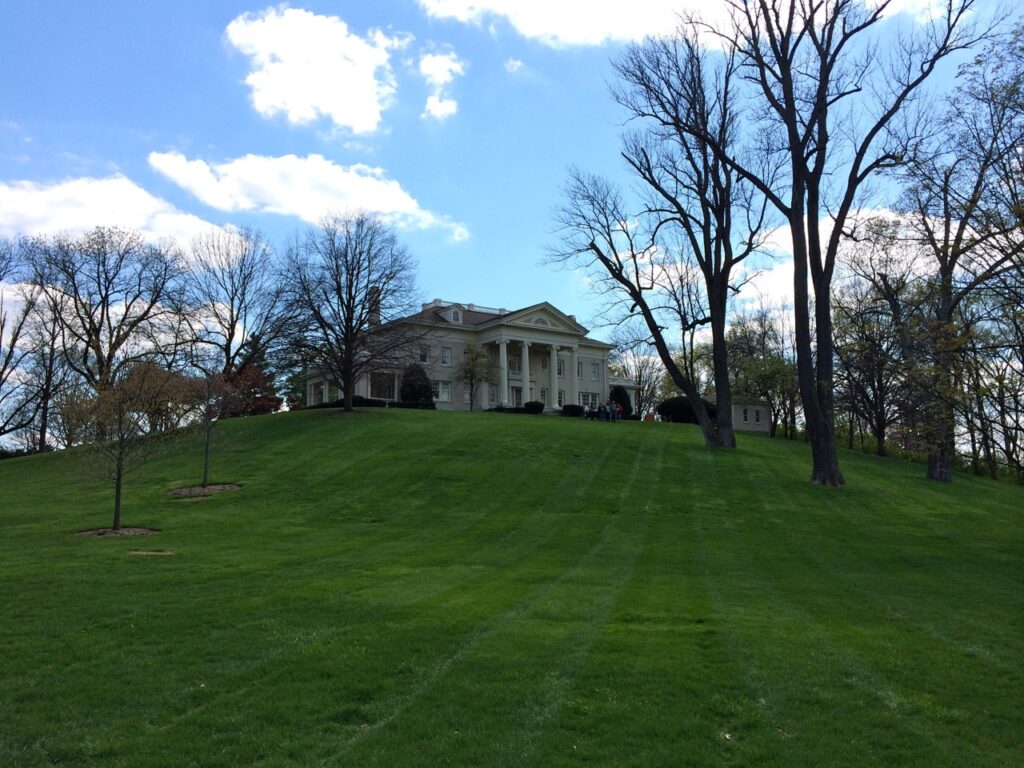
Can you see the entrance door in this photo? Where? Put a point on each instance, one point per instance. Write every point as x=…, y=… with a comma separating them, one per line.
x=517, y=397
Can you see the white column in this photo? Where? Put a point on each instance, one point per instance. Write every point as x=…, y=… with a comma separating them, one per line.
x=526, y=371
x=482, y=390
x=502, y=372
x=574, y=389
x=553, y=389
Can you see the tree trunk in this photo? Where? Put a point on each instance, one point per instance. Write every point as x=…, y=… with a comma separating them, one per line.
x=44, y=418
x=119, y=473
x=815, y=392
x=718, y=301
x=348, y=383
x=941, y=420
x=939, y=467
x=940, y=450
x=206, y=452
x=683, y=382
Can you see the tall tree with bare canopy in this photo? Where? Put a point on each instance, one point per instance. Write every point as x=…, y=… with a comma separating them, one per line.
x=348, y=280
x=116, y=296
x=236, y=298
x=825, y=98
x=18, y=403
x=670, y=260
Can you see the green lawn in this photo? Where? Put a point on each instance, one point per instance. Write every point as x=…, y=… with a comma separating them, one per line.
x=400, y=588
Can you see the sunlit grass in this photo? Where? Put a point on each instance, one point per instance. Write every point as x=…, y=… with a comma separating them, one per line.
x=419, y=588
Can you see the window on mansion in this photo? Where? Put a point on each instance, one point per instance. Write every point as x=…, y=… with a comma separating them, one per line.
x=442, y=391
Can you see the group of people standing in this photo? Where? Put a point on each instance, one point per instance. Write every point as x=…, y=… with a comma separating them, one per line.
x=609, y=411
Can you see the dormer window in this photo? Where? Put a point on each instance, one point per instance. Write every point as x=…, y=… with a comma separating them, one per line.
x=456, y=316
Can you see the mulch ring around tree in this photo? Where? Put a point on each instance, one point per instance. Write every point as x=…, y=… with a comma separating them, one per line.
x=200, y=491
x=118, y=532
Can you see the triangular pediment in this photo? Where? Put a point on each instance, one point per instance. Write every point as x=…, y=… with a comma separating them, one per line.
x=544, y=316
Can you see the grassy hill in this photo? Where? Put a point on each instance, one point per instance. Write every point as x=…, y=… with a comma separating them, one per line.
x=399, y=588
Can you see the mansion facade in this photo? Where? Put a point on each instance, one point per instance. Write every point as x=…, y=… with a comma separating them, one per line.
x=538, y=353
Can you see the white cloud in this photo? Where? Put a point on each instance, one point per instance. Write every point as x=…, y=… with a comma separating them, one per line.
x=306, y=66
x=922, y=11
x=305, y=187
x=439, y=70
x=513, y=65
x=594, y=22
x=439, y=107
x=76, y=205
x=771, y=286
x=570, y=22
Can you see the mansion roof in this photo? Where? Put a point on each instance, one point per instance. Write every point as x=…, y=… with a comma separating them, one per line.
x=541, y=316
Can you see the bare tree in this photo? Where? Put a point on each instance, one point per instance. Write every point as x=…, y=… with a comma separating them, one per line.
x=825, y=98
x=666, y=83
x=871, y=374
x=958, y=238
x=18, y=401
x=46, y=371
x=636, y=275
x=113, y=293
x=965, y=205
x=235, y=289
x=349, y=281
x=672, y=260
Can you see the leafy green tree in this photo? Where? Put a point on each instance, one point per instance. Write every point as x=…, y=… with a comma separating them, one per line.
x=761, y=369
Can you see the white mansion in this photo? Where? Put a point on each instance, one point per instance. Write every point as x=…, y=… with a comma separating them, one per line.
x=539, y=353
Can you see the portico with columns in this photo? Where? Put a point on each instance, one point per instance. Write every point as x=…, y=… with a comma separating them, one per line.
x=537, y=353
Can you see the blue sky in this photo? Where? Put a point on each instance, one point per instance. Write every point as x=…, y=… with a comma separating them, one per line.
x=455, y=118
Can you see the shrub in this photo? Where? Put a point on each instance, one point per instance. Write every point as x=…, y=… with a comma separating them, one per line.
x=415, y=386
x=358, y=401
x=572, y=410
x=679, y=410
x=621, y=396
x=505, y=409
x=533, y=406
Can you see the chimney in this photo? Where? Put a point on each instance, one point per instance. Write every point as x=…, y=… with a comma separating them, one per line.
x=373, y=309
